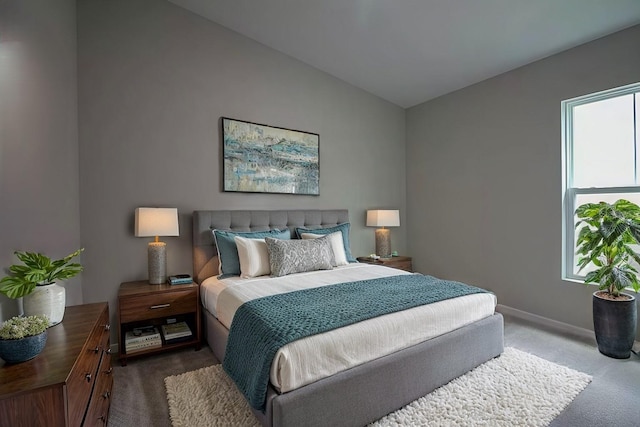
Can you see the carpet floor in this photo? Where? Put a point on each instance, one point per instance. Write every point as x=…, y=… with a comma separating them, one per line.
x=515, y=389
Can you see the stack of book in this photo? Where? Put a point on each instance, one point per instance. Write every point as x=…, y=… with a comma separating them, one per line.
x=179, y=279
x=140, y=339
x=176, y=332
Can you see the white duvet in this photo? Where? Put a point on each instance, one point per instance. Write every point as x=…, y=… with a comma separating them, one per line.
x=310, y=359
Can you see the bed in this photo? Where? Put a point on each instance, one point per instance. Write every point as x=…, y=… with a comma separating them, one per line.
x=355, y=395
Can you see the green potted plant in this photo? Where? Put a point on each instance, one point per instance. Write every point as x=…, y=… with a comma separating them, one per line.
x=23, y=338
x=605, y=242
x=35, y=280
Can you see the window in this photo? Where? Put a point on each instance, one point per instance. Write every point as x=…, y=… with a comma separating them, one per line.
x=601, y=158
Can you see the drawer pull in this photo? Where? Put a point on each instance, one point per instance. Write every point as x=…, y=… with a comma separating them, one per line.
x=96, y=350
x=107, y=327
x=102, y=418
x=154, y=307
x=106, y=395
x=88, y=377
x=108, y=371
x=108, y=350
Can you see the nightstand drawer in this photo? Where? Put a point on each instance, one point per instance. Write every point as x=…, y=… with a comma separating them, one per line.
x=401, y=265
x=399, y=262
x=145, y=307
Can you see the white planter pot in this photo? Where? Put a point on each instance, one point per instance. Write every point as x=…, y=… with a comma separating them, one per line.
x=48, y=300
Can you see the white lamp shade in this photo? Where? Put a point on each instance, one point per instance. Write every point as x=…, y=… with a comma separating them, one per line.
x=152, y=222
x=383, y=218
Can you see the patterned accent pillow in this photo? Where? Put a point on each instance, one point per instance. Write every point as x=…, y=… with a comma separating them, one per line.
x=298, y=256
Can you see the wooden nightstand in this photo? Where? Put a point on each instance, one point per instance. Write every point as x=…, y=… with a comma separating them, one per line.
x=141, y=304
x=399, y=262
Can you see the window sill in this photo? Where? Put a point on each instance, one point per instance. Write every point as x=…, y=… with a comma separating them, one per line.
x=580, y=281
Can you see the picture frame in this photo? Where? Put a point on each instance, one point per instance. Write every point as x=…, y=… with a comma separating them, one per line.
x=259, y=158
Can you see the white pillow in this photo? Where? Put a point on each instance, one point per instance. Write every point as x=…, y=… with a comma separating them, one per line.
x=335, y=240
x=253, y=256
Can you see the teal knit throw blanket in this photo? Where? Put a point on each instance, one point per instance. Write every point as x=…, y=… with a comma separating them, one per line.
x=261, y=326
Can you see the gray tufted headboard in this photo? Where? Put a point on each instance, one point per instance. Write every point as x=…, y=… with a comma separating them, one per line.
x=205, y=258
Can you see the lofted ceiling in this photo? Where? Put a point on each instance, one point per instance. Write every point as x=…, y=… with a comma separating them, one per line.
x=410, y=51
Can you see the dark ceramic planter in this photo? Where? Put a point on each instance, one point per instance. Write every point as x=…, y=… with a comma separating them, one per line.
x=615, y=323
x=16, y=351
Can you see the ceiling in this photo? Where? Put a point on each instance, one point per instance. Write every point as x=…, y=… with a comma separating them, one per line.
x=410, y=51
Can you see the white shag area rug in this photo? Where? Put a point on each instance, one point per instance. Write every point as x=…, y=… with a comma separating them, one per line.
x=516, y=388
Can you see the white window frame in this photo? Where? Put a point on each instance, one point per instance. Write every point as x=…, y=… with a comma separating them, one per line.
x=569, y=192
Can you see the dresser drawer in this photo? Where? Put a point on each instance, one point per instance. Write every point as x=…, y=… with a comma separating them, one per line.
x=98, y=412
x=143, y=307
x=84, y=374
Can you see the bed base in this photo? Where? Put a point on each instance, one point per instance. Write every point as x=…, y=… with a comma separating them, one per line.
x=365, y=393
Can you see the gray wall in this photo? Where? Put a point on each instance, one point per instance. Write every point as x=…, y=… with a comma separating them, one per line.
x=484, y=177
x=39, y=192
x=153, y=81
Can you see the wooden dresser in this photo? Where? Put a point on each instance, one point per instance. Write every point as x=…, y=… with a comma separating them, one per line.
x=69, y=383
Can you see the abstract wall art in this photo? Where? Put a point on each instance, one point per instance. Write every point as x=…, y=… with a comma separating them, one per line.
x=267, y=159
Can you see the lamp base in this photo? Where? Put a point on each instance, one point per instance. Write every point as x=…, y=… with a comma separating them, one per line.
x=157, y=263
x=383, y=242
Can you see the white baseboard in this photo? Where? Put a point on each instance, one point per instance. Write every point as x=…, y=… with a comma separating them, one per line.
x=549, y=323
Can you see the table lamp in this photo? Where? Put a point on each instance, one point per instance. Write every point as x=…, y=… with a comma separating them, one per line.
x=383, y=218
x=155, y=222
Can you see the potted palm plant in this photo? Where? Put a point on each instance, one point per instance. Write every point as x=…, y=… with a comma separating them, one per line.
x=605, y=242
x=23, y=338
x=35, y=280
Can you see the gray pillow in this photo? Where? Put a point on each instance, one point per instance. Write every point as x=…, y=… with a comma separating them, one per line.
x=297, y=256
